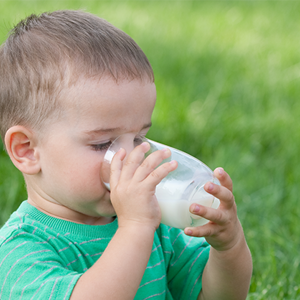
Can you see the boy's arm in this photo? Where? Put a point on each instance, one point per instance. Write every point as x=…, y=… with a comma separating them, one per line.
x=119, y=271
x=227, y=274
x=228, y=271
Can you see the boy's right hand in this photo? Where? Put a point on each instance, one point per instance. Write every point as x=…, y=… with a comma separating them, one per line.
x=133, y=185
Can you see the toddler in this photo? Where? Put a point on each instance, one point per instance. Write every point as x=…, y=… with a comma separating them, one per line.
x=70, y=84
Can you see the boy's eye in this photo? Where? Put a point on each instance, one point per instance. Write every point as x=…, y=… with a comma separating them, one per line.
x=101, y=147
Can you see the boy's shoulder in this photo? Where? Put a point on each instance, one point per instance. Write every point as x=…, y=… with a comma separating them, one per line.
x=20, y=229
x=29, y=264
x=12, y=227
x=29, y=227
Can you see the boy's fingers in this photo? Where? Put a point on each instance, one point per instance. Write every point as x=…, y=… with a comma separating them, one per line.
x=222, y=193
x=150, y=163
x=224, y=178
x=155, y=177
x=116, y=167
x=215, y=215
x=133, y=161
x=201, y=231
x=212, y=214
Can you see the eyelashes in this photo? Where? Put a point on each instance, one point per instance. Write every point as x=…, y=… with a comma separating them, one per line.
x=101, y=147
x=104, y=146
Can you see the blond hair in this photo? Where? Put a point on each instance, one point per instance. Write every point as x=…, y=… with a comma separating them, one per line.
x=46, y=53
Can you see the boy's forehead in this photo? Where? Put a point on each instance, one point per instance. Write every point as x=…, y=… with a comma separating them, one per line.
x=106, y=88
x=102, y=130
x=106, y=105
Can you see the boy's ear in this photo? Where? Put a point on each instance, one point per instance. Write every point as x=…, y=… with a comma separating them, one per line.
x=20, y=144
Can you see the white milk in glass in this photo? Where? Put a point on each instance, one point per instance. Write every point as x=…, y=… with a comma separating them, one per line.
x=175, y=209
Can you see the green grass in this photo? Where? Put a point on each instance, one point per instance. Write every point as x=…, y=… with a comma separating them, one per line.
x=227, y=76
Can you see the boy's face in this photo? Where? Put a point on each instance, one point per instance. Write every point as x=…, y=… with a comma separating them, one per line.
x=72, y=150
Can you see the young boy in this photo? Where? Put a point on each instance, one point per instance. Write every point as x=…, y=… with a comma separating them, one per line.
x=70, y=84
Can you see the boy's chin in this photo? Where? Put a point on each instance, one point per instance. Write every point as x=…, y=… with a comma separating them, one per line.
x=109, y=213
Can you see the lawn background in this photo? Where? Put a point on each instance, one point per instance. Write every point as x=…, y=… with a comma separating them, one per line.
x=228, y=83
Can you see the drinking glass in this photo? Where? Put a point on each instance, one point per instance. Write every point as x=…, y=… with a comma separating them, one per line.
x=179, y=189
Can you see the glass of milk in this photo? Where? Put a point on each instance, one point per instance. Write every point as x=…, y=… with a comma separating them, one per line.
x=179, y=189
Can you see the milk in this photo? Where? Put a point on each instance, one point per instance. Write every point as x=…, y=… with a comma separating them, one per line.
x=175, y=210
x=175, y=198
x=175, y=213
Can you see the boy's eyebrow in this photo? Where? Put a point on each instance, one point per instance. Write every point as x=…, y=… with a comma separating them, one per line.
x=104, y=130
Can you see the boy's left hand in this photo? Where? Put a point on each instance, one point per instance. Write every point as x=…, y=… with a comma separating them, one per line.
x=224, y=230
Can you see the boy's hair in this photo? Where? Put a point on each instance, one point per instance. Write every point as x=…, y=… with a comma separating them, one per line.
x=48, y=53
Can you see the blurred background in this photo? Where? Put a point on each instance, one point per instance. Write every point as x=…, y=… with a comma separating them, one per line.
x=228, y=85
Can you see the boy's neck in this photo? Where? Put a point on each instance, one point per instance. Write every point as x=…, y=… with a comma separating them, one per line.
x=64, y=213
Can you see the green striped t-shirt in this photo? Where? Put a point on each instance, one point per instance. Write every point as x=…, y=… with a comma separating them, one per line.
x=42, y=257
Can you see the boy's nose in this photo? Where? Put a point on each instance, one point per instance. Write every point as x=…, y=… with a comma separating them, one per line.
x=128, y=143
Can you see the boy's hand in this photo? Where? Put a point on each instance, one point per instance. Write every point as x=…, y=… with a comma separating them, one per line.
x=133, y=185
x=224, y=230
x=228, y=270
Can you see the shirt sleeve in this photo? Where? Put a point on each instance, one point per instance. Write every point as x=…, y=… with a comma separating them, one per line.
x=186, y=258
x=31, y=269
